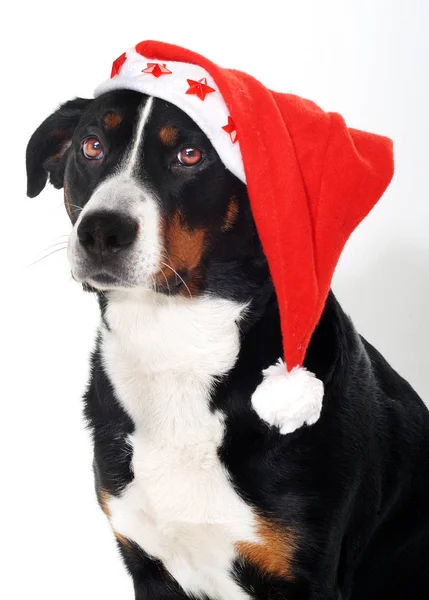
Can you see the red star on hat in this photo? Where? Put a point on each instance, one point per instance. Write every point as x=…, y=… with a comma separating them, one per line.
x=117, y=65
x=231, y=130
x=199, y=88
x=157, y=69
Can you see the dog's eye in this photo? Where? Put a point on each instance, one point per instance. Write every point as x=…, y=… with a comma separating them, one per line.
x=189, y=157
x=92, y=148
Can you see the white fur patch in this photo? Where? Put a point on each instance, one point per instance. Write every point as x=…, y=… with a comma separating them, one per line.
x=162, y=355
x=288, y=399
x=133, y=156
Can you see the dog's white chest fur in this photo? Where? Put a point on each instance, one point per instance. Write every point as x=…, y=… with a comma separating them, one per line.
x=162, y=355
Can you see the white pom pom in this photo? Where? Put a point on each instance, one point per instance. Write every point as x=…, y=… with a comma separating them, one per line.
x=288, y=399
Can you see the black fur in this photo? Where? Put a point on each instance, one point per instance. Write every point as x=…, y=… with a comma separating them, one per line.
x=355, y=486
x=47, y=149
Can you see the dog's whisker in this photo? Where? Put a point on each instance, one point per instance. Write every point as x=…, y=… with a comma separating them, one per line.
x=79, y=208
x=181, y=278
x=165, y=255
x=46, y=256
x=153, y=283
x=63, y=243
x=166, y=282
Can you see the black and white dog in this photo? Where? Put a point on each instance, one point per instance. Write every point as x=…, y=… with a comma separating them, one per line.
x=204, y=498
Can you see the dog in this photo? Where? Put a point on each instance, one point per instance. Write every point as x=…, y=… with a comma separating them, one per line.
x=205, y=499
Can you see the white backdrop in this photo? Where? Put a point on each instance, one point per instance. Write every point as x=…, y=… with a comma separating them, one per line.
x=367, y=59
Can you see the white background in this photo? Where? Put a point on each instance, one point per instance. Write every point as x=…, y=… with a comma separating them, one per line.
x=367, y=59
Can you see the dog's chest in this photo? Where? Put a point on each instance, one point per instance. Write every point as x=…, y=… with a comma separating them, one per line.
x=181, y=506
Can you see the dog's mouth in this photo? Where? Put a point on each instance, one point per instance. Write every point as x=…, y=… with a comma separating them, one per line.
x=104, y=280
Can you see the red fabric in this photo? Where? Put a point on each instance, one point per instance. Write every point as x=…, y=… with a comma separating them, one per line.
x=310, y=180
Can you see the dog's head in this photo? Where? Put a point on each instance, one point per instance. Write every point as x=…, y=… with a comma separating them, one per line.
x=151, y=203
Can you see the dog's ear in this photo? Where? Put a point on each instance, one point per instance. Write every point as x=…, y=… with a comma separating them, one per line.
x=47, y=148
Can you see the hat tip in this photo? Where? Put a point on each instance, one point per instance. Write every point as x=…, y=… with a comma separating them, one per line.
x=288, y=399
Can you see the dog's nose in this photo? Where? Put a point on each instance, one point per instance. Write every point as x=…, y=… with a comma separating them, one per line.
x=106, y=232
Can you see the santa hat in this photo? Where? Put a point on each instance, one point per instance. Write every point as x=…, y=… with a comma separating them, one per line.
x=310, y=179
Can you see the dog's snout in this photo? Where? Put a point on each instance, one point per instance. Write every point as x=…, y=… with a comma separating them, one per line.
x=106, y=232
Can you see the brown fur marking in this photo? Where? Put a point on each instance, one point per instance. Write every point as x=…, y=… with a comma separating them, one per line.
x=112, y=120
x=67, y=200
x=103, y=498
x=184, y=246
x=274, y=555
x=231, y=215
x=184, y=250
x=168, y=135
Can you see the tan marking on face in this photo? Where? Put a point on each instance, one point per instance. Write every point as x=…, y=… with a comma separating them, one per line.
x=168, y=135
x=112, y=120
x=184, y=246
x=103, y=498
x=231, y=215
x=275, y=553
x=183, y=251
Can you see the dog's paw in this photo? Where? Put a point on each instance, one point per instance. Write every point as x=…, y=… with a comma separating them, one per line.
x=288, y=399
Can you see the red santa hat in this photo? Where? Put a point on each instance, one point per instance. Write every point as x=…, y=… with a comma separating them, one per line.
x=310, y=180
